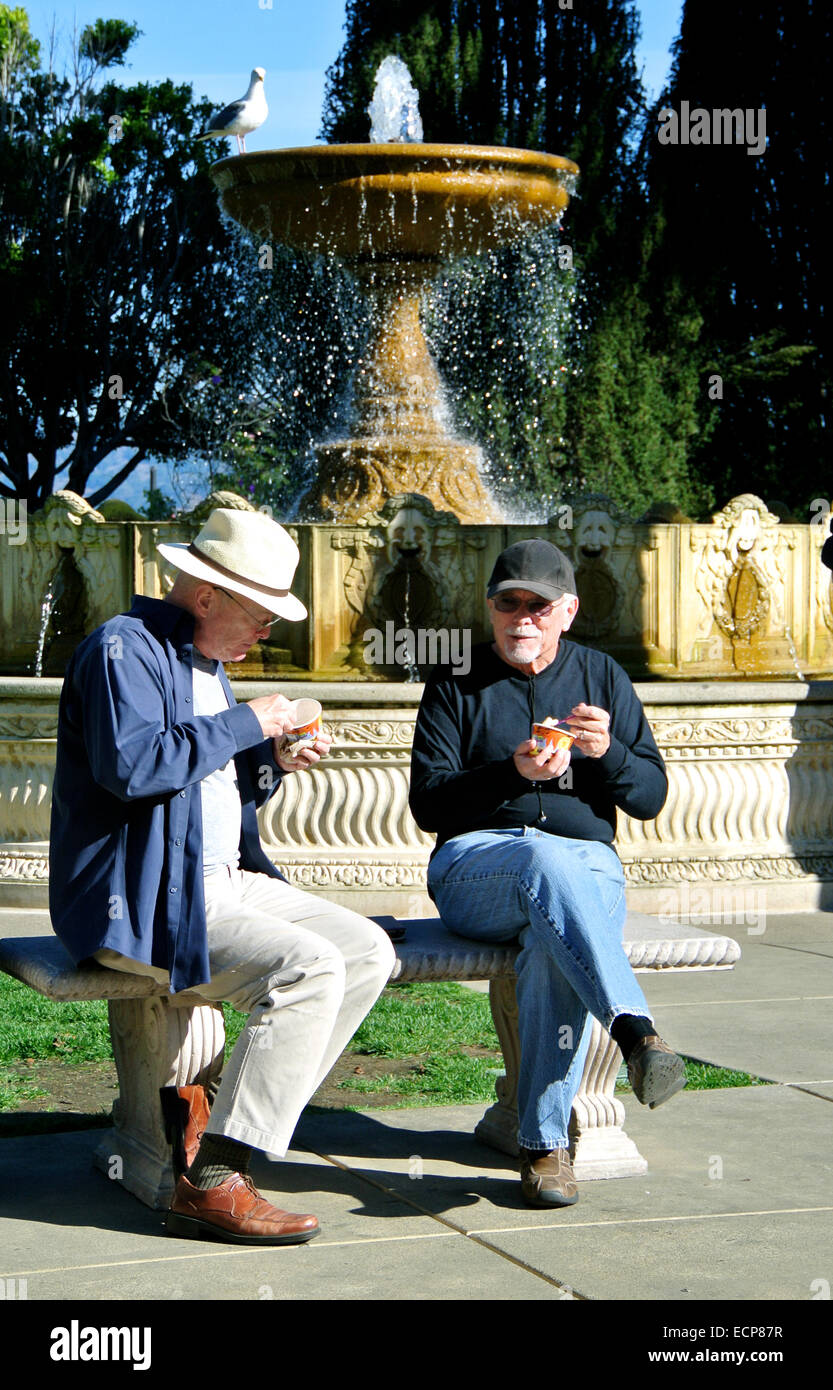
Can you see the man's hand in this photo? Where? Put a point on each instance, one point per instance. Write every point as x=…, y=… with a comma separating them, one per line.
x=273, y=714
x=543, y=766
x=591, y=726
x=307, y=756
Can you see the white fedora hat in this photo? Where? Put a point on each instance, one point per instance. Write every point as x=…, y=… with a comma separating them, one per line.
x=244, y=551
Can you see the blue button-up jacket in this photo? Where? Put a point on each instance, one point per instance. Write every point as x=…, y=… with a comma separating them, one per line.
x=125, y=853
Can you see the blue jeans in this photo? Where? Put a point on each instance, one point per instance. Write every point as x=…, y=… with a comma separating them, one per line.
x=565, y=902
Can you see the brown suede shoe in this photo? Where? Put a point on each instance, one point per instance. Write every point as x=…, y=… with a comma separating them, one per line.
x=186, y=1110
x=547, y=1178
x=655, y=1072
x=235, y=1212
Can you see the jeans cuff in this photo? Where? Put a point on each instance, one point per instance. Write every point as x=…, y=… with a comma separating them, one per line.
x=542, y=1146
x=618, y=1012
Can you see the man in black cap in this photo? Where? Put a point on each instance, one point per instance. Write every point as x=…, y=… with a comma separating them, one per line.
x=525, y=842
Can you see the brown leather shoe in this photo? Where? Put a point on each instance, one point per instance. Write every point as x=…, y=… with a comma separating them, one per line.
x=547, y=1178
x=186, y=1110
x=655, y=1072
x=235, y=1212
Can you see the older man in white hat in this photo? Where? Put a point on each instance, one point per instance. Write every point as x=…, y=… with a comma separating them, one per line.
x=156, y=865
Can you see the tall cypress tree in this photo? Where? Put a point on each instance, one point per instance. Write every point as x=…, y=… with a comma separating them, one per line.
x=744, y=236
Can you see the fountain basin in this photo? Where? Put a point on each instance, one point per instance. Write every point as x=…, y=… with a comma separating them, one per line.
x=393, y=212
x=424, y=201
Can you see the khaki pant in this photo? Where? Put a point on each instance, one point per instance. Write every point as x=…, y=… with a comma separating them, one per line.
x=306, y=971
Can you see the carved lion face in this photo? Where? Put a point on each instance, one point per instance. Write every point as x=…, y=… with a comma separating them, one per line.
x=595, y=534
x=407, y=533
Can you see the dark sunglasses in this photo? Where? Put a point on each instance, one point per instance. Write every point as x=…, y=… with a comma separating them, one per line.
x=536, y=607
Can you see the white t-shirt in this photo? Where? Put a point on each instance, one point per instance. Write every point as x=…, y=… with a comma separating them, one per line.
x=221, y=810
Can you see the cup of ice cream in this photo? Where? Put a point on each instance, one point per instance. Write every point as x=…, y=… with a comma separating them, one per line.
x=306, y=726
x=552, y=736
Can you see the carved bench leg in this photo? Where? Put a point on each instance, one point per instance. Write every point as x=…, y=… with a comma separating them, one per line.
x=499, y=1126
x=598, y=1143
x=156, y=1042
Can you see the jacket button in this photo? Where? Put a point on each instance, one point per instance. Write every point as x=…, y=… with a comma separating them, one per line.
x=187, y=699
x=177, y=842
x=182, y=793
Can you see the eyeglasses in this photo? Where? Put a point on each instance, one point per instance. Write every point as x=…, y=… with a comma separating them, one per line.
x=536, y=607
x=261, y=622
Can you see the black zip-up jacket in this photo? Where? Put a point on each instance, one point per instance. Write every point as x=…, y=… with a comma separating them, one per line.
x=463, y=776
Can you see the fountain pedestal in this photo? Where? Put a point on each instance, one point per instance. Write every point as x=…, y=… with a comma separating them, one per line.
x=399, y=441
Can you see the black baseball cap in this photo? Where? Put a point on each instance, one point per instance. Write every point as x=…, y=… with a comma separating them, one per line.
x=535, y=565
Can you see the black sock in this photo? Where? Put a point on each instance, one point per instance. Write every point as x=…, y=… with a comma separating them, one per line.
x=627, y=1030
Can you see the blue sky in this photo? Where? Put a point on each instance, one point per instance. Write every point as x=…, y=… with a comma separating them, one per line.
x=214, y=44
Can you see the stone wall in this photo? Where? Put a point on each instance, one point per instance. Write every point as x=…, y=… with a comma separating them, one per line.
x=740, y=597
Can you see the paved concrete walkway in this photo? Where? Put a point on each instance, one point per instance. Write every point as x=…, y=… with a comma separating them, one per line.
x=737, y=1203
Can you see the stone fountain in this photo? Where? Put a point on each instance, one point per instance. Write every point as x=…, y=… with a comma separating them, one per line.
x=394, y=211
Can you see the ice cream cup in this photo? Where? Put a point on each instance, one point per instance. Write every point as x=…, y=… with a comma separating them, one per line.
x=306, y=725
x=552, y=737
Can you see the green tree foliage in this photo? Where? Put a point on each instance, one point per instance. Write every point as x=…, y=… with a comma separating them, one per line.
x=19, y=55
x=634, y=415
x=744, y=237
x=119, y=279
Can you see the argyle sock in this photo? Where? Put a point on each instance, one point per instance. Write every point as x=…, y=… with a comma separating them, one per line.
x=627, y=1030
x=218, y=1157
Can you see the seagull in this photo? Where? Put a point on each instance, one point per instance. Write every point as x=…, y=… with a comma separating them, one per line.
x=240, y=117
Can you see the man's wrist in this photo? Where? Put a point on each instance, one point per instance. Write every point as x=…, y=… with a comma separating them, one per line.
x=614, y=758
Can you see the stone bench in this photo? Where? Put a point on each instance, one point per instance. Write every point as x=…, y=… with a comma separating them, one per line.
x=161, y=1039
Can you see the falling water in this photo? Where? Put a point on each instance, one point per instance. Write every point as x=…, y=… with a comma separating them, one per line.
x=793, y=653
x=300, y=374
x=410, y=665
x=503, y=327
x=45, y=614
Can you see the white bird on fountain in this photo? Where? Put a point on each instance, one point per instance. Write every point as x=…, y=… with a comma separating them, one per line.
x=241, y=117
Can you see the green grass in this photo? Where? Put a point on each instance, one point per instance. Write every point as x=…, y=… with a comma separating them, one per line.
x=701, y=1076
x=414, y=1019
x=13, y=1091
x=421, y=1018
x=38, y=1028
x=430, y=1023
x=457, y=1080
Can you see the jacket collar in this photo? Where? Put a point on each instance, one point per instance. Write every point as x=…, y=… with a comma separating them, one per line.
x=165, y=619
